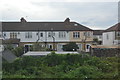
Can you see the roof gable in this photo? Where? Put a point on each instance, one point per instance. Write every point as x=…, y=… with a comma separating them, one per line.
x=116, y=27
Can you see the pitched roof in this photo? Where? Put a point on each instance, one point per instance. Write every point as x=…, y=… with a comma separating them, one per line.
x=116, y=27
x=43, y=26
x=98, y=32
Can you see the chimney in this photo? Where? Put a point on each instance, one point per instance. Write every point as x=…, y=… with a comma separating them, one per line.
x=67, y=20
x=23, y=20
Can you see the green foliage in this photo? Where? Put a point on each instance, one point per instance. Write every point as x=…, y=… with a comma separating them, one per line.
x=9, y=46
x=18, y=51
x=37, y=47
x=85, y=72
x=95, y=39
x=62, y=66
x=70, y=47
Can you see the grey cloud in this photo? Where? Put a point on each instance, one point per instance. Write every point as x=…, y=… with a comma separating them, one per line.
x=90, y=13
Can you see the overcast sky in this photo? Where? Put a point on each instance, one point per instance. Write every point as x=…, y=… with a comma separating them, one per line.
x=95, y=15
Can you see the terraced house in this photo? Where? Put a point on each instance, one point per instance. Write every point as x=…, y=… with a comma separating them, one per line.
x=50, y=34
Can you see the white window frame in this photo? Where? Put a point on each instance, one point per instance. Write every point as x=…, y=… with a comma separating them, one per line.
x=13, y=34
x=50, y=34
x=75, y=24
x=118, y=34
x=41, y=34
x=87, y=34
x=28, y=35
x=107, y=36
x=62, y=34
x=76, y=34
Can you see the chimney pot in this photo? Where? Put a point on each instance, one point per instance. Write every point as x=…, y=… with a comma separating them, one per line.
x=23, y=20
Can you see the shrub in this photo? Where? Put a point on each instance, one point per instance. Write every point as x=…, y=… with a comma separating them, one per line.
x=18, y=51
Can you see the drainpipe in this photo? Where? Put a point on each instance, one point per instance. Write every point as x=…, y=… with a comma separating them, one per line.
x=53, y=39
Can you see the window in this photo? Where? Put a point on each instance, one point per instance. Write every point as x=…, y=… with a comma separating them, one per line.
x=87, y=34
x=41, y=34
x=100, y=37
x=18, y=32
x=50, y=34
x=87, y=46
x=118, y=34
x=0, y=35
x=80, y=46
x=4, y=34
x=76, y=34
x=13, y=35
x=75, y=24
x=62, y=35
x=28, y=35
x=50, y=46
x=107, y=36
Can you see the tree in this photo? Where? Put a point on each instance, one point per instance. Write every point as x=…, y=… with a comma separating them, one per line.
x=18, y=51
x=70, y=47
x=38, y=47
x=95, y=39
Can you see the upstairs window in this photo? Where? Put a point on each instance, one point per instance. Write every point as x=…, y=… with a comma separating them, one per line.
x=4, y=34
x=50, y=34
x=41, y=34
x=76, y=34
x=118, y=34
x=62, y=35
x=107, y=36
x=28, y=35
x=87, y=34
x=13, y=35
x=100, y=37
x=75, y=24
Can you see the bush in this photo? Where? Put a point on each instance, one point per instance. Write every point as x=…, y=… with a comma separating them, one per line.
x=18, y=51
x=62, y=66
x=9, y=47
x=85, y=72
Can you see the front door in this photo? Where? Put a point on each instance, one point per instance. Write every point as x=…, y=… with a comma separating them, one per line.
x=26, y=48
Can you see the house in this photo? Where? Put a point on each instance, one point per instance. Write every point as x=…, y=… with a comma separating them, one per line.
x=50, y=34
x=97, y=34
x=111, y=36
x=110, y=46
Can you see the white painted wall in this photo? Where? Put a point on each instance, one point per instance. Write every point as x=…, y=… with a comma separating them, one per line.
x=34, y=38
x=111, y=38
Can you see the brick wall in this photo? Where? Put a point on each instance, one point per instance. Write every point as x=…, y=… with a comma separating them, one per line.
x=105, y=52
